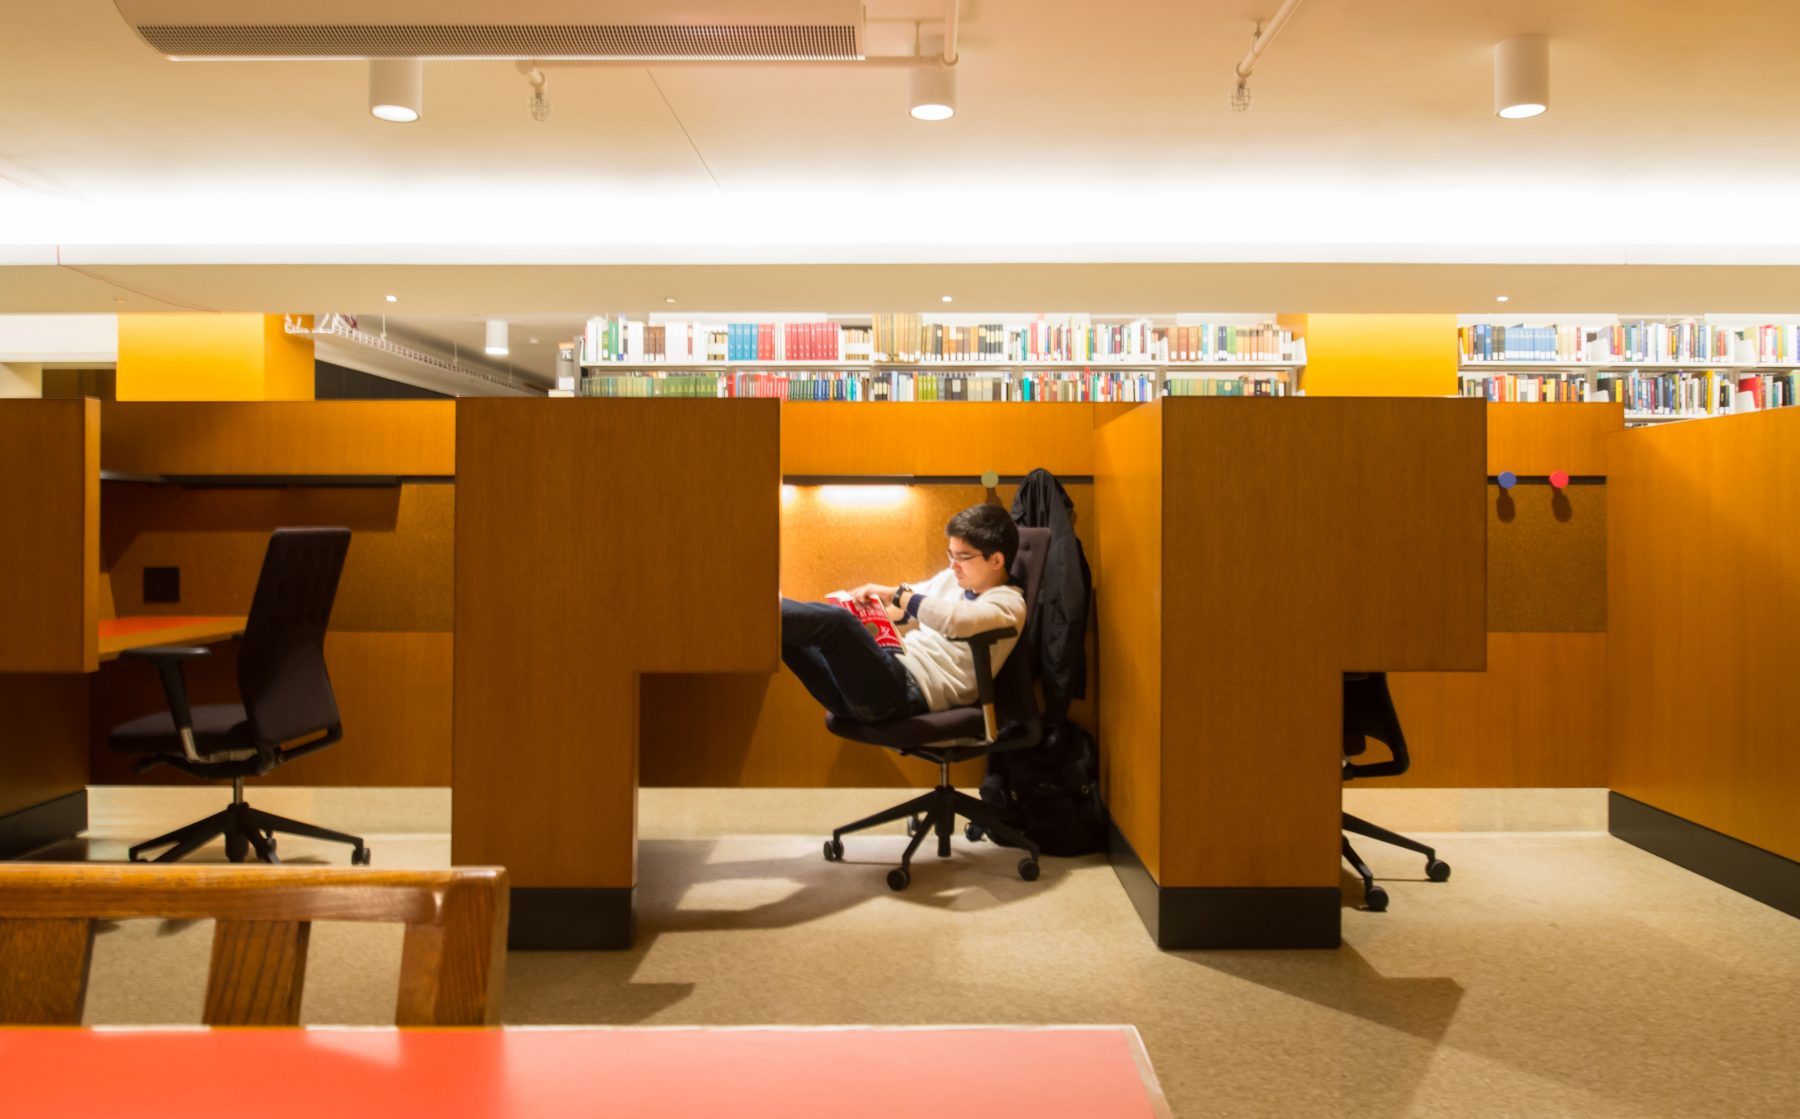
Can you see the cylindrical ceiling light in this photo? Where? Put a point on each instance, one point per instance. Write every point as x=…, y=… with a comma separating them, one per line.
x=933, y=83
x=1522, y=76
x=397, y=88
x=496, y=338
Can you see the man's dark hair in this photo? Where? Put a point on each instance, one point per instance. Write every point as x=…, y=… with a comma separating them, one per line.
x=988, y=529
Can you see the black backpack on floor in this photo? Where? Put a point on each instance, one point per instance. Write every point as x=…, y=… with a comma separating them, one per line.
x=1051, y=791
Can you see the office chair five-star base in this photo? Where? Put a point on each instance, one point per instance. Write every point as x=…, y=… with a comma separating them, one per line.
x=936, y=812
x=245, y=829
x=1375, y=899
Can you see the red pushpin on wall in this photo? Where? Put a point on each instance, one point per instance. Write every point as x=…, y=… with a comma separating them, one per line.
x=1559, y=478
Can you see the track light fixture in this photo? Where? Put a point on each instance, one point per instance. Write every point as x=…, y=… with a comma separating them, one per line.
x=932, y=83
x=1260, y=40
x=496, y=338
x=397, y=89
x=1522, y=76
x=540, y=101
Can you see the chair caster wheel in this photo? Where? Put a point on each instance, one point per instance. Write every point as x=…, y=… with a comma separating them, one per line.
x=898, y=878
x=1028, y=869
x=136, y=858
x=1375, y=899
x=237, y=847
x=359, y=857
x=974, y=833
x=1437, y=870
x=834, y=850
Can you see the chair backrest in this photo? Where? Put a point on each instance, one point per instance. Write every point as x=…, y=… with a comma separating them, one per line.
x=1015, y=700
x=1369, y=713
x=451, y=967
x=281, y=661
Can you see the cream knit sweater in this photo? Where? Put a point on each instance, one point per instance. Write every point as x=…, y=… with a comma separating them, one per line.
x=945, y=669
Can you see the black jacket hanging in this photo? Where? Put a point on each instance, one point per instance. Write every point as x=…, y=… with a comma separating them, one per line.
x=1059, y=621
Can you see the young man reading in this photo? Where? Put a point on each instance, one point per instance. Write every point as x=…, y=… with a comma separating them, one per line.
x=841, y=665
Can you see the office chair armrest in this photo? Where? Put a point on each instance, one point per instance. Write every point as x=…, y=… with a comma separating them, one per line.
x=986, y=638
x=1389, y=768
x=176, y=652
x=981, y=648
x=167, y=659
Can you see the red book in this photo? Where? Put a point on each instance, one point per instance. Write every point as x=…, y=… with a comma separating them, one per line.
x=873, y=616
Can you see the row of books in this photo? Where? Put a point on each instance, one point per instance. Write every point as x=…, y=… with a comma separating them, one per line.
x=1702, y=392
x=1278, y=385
x=613, y=340
x=1076, y=338
x=1650, y=342
x=1530, y=388
x=1705, y=393
x=903, y=385
x=660, y=384
x=908, y=338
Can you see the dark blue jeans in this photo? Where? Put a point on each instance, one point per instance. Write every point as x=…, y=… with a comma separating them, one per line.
x=842, y=667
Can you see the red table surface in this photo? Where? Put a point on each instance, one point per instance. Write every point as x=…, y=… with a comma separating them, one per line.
x=641, y=1073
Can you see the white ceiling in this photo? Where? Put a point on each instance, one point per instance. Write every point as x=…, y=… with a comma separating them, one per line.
x=1089, y=136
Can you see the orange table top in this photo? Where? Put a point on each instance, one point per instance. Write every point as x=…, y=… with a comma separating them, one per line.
x=851, y=1073
x=141, y=631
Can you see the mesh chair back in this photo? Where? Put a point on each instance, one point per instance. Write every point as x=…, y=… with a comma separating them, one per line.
x=1014, y=699
x=1369, y=713
x=281, y=663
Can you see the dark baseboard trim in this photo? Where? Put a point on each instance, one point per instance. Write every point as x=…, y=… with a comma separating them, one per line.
x=1180, y=917
x=1732, y=863
x=28, y=829
x=570, y=919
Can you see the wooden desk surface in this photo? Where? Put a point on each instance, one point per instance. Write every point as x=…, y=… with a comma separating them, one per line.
x=145, y=630
x=643, y=1073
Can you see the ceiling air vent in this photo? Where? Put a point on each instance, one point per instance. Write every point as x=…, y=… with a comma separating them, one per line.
x=621, y=30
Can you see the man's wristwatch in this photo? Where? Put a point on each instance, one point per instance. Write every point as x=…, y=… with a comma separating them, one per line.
x=903, y=588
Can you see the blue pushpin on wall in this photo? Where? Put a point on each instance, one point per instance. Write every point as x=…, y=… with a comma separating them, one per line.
x=1507, y=479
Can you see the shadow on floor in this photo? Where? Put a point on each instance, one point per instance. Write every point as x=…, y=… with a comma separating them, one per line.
x=752, y=883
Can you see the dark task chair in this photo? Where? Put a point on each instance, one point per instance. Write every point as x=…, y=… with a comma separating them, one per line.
x=287, y=699
x=1006, y=718
x=1369, y=713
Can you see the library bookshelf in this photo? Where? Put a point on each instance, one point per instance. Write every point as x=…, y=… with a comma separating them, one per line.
x=1661, y=369
x=900, y=357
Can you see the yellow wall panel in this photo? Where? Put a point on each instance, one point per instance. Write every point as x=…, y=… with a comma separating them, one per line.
x=287, y=361
x=1378, y=355
x=211, y=357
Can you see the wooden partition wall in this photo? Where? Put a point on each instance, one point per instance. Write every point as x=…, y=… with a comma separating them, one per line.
x=1704, y=606
x=280, y=438
x=596, y=540
x=1298, y=540
x=49, y=535
x=49, y=602
x=1537, y=717
x=756, y=729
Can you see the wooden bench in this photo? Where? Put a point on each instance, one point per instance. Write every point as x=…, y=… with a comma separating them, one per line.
x=451, y=968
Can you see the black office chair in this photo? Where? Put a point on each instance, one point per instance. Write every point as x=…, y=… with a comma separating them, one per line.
x=1006, y=718
x=287, y=699
x=1369, y=713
